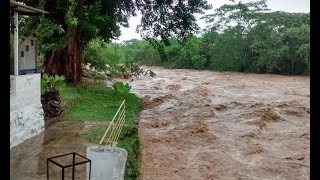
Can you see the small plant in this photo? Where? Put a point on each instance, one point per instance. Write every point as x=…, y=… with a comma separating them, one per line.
x=121, y=87
x=52, y=82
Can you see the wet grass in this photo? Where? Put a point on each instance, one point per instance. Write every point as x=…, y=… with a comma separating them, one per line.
x=98, y=102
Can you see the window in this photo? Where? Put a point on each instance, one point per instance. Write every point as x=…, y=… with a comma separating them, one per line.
x=22, y=54
x=31, y=42
x=27, y=48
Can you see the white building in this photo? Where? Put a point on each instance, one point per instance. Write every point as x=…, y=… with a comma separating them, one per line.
x=26, y=113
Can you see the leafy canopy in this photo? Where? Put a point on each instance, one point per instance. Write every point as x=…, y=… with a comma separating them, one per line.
x=87, y=19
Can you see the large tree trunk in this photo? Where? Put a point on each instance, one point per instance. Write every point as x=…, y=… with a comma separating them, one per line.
x=66, y=61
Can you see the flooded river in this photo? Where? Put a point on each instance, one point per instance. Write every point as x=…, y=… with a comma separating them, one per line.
x=200, y=125
x=212, y=125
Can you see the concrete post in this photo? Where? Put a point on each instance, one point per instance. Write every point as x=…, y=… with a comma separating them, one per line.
x=16, y=45
x=107, y=163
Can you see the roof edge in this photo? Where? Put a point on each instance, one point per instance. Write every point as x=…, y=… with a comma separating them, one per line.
x=14, y=4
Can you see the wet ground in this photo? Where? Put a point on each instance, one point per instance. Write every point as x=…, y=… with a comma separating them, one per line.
x=199, y=125
x=210, y=125
x=28, y=161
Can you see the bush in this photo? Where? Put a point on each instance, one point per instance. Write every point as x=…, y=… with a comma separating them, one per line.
x=50, y=98
x=120, y=87
x=51, y=82
x=98, y=53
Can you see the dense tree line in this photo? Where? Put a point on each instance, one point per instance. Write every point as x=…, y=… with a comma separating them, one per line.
x=241, y=37
x=71, y=24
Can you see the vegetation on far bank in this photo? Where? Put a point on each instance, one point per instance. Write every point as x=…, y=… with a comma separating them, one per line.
x=240, y=37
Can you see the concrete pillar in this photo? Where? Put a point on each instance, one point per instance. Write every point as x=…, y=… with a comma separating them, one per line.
x=16, y=45
x=107, y=163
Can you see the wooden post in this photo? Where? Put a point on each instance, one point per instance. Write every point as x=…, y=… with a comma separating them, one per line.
x=16, y=45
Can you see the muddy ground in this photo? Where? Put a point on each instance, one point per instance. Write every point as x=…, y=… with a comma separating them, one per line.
x=211, y=125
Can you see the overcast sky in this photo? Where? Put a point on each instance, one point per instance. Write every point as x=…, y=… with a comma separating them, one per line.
x=273, y=5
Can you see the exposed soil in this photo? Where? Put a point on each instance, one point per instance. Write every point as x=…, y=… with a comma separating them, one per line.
x=210, y=125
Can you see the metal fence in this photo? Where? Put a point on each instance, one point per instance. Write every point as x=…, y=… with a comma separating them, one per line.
x=114, y=129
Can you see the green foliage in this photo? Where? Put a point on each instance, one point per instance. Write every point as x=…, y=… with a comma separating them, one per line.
x=107, y=60
x=168, y=19
x=71, y=25
x=55, y=82
x=242, y=15
x=129, y=139
x=241, y=37
x=121, y=87
x=50, y=35
x=228, y=51
x=70, y=18
x=98, y=53
x=137, y=51
x=97, y=102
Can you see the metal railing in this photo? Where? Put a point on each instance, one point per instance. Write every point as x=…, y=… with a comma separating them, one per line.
x=114, y=129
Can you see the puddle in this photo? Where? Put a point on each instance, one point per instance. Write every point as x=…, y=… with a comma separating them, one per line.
x=28, y=160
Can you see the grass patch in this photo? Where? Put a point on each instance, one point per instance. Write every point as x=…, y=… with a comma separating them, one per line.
x=98, y=102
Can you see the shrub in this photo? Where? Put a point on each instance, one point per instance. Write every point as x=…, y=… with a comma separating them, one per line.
x=51, y=82
x=98, y=53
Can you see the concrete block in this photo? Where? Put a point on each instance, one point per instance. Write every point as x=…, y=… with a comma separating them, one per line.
x=108, y=163
x=26, y=113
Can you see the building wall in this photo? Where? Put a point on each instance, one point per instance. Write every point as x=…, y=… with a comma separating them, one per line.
x=28, y=48
x=26, y=113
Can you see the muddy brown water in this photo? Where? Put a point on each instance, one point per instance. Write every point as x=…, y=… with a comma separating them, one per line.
x=212, y=125
x=200, y=125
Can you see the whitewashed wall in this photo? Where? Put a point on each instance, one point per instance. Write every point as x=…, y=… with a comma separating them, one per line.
x=26, y=113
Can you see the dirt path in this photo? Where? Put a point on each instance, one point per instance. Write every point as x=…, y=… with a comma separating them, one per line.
x=210, y=125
